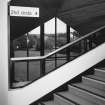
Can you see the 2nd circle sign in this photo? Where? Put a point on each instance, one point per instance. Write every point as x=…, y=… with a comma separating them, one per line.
x=24, y=11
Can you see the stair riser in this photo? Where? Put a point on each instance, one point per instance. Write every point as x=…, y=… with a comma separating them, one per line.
x=86, y=95
x=93, y=83
x=99, y=73
x=61, y=101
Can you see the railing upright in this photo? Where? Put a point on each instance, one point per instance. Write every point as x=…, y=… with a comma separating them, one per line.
x=68, y=41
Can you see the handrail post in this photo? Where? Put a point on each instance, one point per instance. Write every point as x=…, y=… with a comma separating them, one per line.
x=27, y=39
x=85, y=45
x=90, y=43
x=68, y=41
x=42, y=67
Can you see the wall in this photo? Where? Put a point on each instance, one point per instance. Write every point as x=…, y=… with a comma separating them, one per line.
x=53, y=80
x=3, y=53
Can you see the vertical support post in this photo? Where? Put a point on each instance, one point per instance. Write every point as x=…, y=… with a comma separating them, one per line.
x=4, y=52
x=42, y=40
x=9, y=62
x=68, y=41
x=27, y=36
x=42, y=62
x=55, y=41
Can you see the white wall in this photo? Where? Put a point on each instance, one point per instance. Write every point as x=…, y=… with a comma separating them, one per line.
x=3, y=53
x=53, y=80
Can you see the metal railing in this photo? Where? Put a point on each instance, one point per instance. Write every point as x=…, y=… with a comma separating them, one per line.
x=57, y=50
x=87, y=41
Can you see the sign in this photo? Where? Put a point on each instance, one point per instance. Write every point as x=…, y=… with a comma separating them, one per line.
x=24, y=11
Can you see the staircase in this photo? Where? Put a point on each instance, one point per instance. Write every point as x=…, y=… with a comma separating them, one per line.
x=89, y=91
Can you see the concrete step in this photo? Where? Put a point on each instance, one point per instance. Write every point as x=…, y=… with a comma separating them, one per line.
x=93, y=83
x=89, y=88
x=99, y=73
x=67, y=96
x=99, y=78
x=47, y=103
x=97, y=100
x=60, y=100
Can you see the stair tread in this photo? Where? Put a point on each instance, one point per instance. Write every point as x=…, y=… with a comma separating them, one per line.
x=75, y=98
x=89, y=88
x=87, y=95
x=62, y=101
x=93, y=83
x=96, y=77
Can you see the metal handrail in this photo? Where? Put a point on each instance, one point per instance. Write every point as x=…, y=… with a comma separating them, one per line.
x=18, y=59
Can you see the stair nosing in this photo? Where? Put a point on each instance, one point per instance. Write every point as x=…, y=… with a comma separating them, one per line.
x=101, y=98
x=96, y=80
x=42, y=103
x=67, y=99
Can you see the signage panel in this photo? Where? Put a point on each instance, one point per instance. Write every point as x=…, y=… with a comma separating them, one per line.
x=24, y=11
